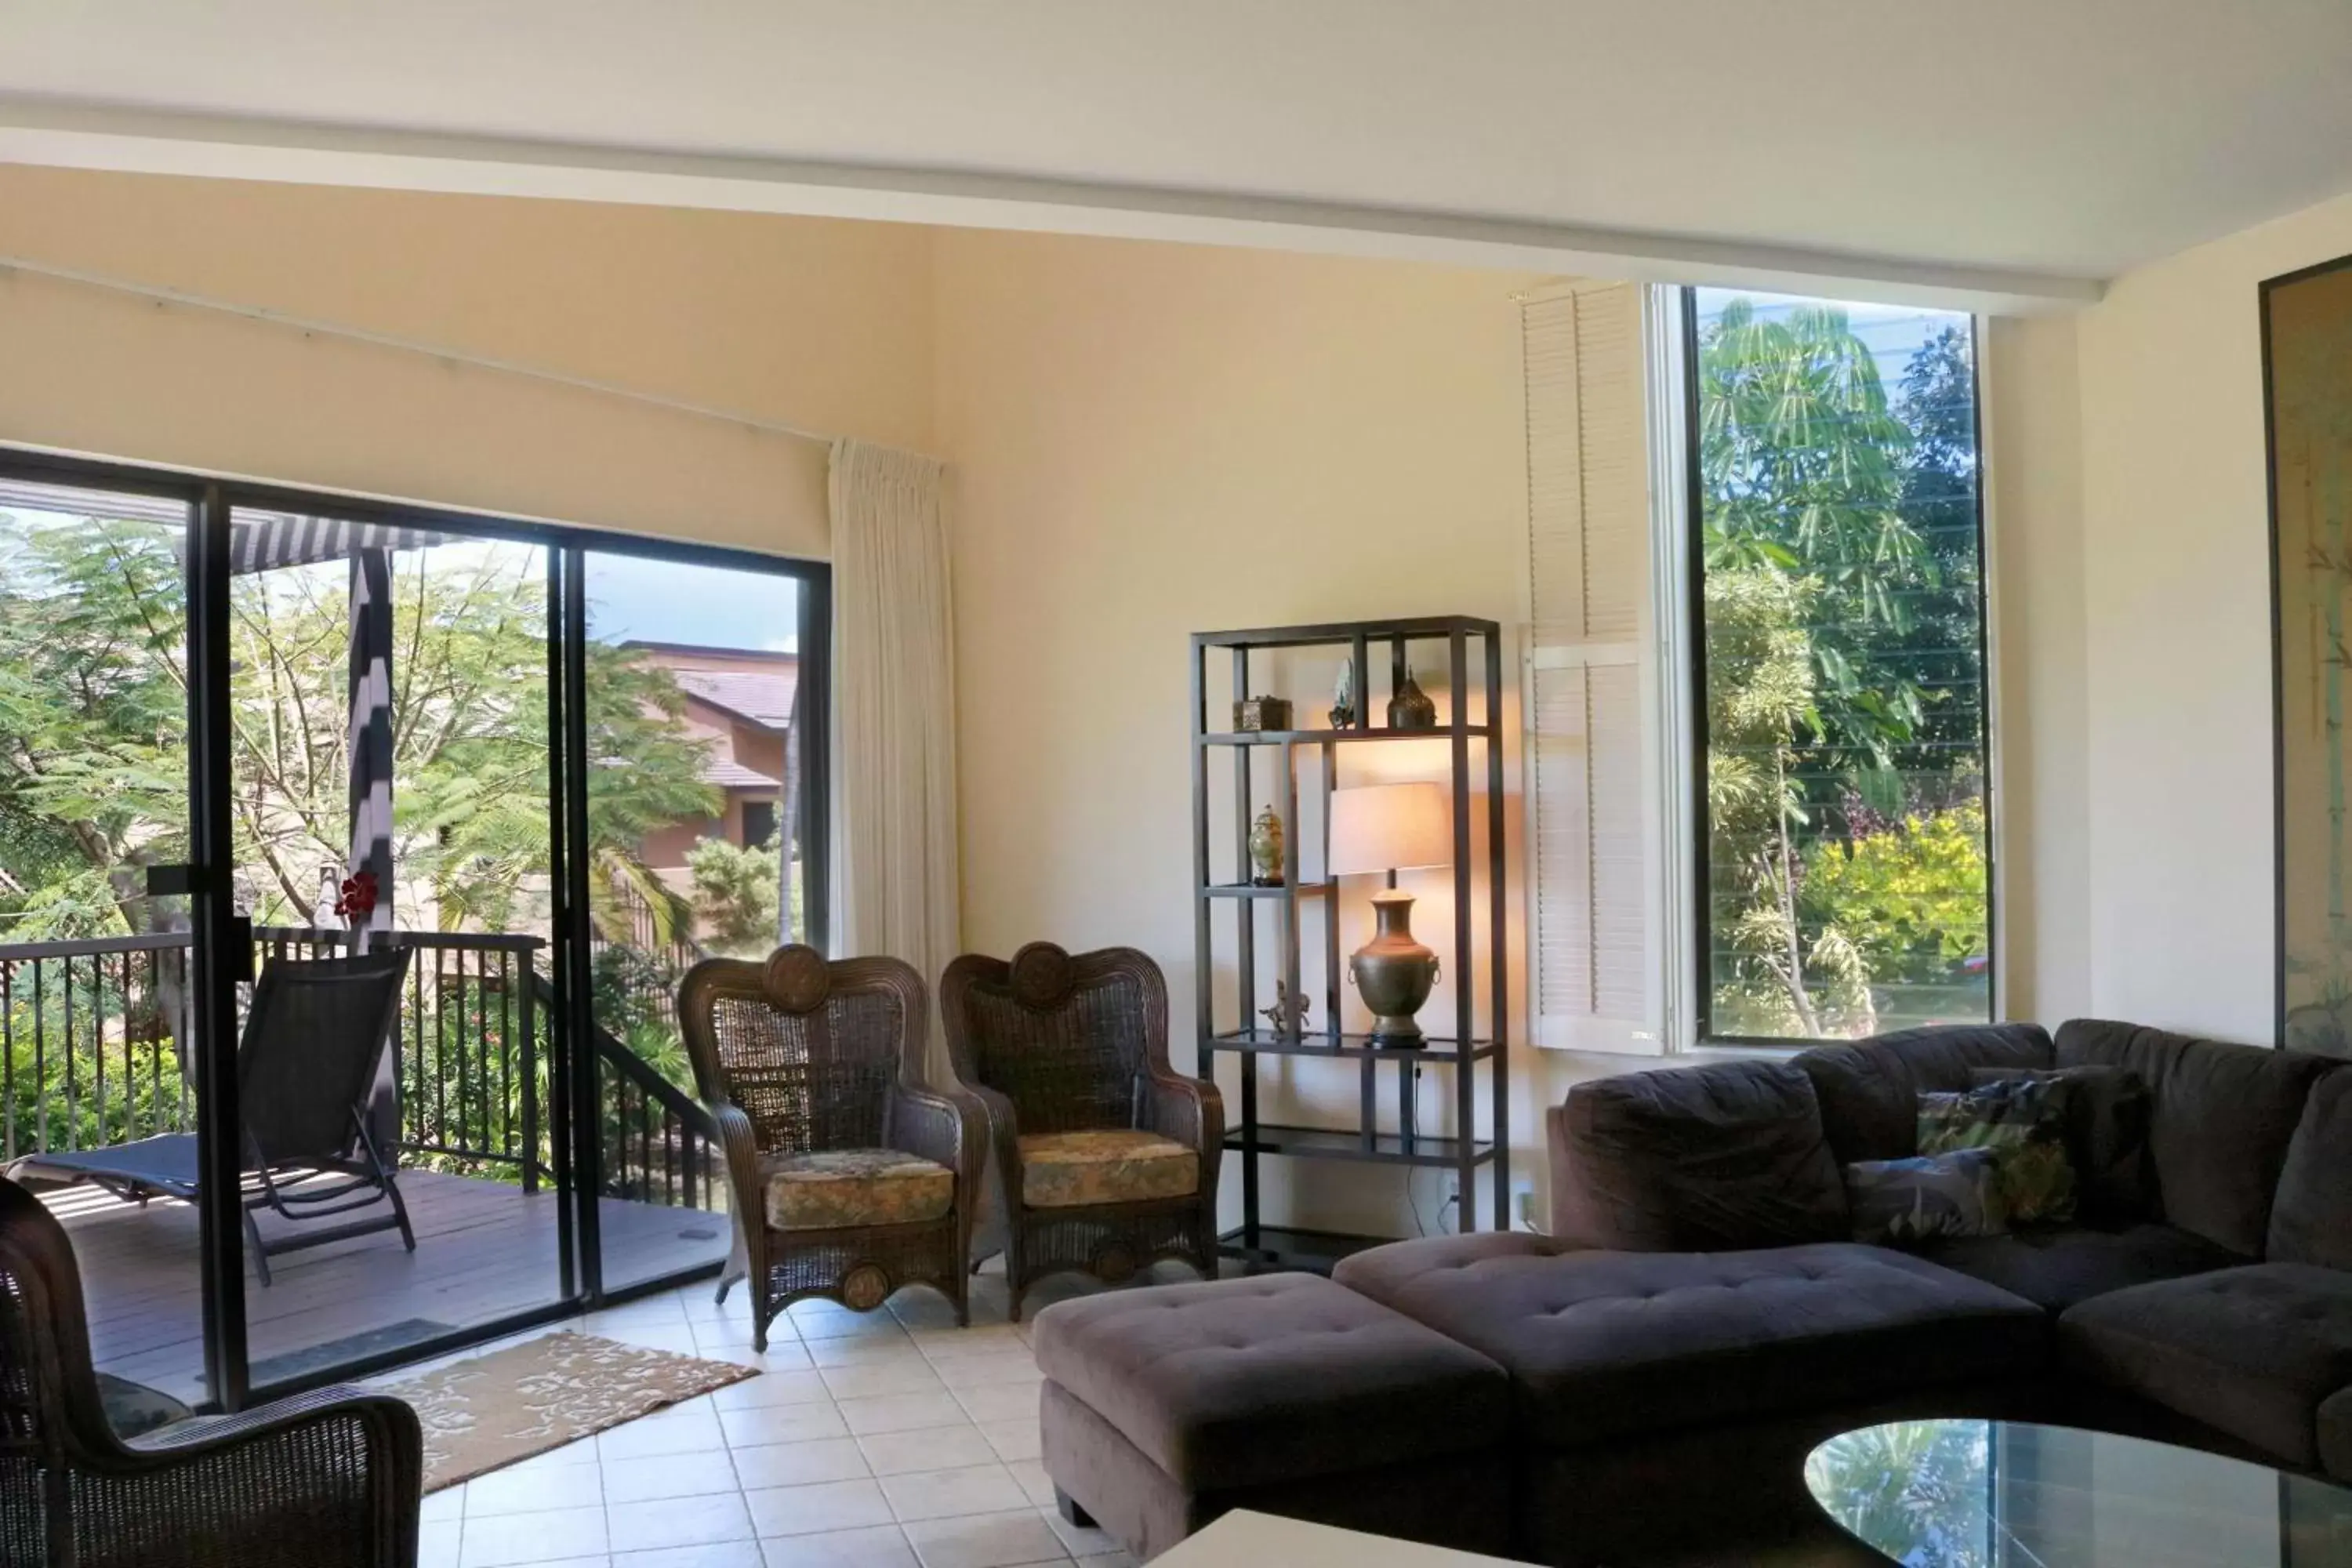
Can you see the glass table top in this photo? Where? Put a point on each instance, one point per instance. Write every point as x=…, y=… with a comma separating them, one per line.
x=1998, y=1494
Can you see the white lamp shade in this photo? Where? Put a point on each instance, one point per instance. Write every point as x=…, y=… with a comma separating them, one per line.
x=1389, y=827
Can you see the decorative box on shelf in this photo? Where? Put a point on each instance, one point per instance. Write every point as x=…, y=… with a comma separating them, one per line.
x=1257, y=714
x=1256, y=1012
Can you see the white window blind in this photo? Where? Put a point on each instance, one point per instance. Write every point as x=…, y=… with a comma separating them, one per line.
x=1590, y=786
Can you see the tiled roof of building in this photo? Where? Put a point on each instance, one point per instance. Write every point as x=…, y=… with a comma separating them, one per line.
x=765, y=697
x=727, y=774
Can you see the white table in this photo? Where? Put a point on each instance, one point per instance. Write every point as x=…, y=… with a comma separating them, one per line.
x=1245, y=1539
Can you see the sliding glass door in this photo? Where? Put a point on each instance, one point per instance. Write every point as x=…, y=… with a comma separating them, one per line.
x=389, y=792
x=97, y=1037
x=350, y=856
x=700, y=706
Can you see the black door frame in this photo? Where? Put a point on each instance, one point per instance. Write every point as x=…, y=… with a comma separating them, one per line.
x=220, y=958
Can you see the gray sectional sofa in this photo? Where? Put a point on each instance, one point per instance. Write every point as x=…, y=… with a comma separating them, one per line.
x=1701, y=1316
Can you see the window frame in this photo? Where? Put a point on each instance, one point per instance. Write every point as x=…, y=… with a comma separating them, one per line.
x=1679, y=514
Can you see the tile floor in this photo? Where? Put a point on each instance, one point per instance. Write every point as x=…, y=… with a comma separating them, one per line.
x=892, y=1439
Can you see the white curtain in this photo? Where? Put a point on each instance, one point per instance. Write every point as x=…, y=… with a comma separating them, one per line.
x=894, y=729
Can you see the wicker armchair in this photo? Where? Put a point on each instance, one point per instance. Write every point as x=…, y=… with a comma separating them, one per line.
x=330, y=1480
x=1107, y=1157
x=851, y=1179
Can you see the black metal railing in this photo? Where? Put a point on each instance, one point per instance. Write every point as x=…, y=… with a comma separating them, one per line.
x=92, y=1031
x=92, y=1034
x=655, y=1145
x=90, y=1038
x=659, y=1145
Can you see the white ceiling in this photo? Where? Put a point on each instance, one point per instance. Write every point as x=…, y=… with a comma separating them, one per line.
x=2017, y=146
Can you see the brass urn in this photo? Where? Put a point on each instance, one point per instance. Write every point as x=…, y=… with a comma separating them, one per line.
x=1394, y=972
x=1265, y=849
x=1412, y=708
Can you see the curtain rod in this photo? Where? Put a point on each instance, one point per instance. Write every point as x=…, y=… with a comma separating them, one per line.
x=310, y=327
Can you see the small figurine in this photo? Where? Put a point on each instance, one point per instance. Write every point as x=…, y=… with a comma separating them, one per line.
x=1288, y=1014
x=1265, y=849
x=1343, y=697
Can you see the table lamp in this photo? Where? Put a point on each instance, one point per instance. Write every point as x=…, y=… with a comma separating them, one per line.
x=1387, y=828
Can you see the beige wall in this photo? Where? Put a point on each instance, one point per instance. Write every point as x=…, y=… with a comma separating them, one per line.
x=2177, y=713
x=811, y=322
x=2032, y=409
x=1150, y=440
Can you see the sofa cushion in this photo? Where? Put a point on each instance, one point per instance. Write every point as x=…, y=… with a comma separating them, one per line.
x=1870, y=1090
x=2252, y=1351
x=2055, y=1268
x=1112, y=1165
x=1726, y=1156
x=2220, y=1122
x=1903, y=1203
x=1379, y=1272
x=1233, y=1383
x=2311, y=1219
x=837, y=1189
x=2106, y=1137
x=2335, y=1435
x=2021, y=1119
x=1601, y=1344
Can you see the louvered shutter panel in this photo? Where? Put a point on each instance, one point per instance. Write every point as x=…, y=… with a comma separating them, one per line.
x=1588, y=739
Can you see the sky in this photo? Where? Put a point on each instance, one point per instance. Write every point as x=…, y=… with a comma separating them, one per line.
x=636, y=596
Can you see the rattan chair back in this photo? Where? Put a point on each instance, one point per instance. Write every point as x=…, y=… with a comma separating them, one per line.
x=808, y=1049
x=1065, y=1039
x=48, y=1391
x=327, y=1479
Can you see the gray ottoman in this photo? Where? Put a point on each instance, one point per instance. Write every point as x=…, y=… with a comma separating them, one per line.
x=1164, y=1407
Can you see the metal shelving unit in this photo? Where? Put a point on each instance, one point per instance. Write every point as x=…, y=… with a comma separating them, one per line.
x=1229, y=1000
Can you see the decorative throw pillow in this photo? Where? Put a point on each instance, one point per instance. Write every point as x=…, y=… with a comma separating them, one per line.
x=2107, y=1114
x=2024, y=1122
x=1900, y=1203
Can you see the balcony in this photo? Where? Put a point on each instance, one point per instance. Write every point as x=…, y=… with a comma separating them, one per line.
x=89, y=1056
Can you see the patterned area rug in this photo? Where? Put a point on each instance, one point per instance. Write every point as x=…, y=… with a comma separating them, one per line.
x=494, y=1410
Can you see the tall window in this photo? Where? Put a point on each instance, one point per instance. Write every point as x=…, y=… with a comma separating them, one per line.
x=1838, y=597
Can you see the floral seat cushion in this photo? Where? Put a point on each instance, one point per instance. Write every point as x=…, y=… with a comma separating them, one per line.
x=840, y=1188
x=1112, y=1165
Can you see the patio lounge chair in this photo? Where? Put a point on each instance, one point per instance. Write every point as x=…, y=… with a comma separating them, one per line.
x=314, y=1037
x=329, y=1479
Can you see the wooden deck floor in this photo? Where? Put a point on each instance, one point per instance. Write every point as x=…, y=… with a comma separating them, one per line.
x=483, y=1250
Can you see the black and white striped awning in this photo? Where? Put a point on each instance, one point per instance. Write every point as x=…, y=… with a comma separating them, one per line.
x=265, y=541
x=258, y=541
x=72, y=501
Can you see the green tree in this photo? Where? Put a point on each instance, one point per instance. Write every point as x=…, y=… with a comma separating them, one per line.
x=93, y=727
x=1801, y=461
x=1843, y=668
x=469, y=726
x=1773, y=976
x=1943, y=651
x=1910, y=898
x=735, y=892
